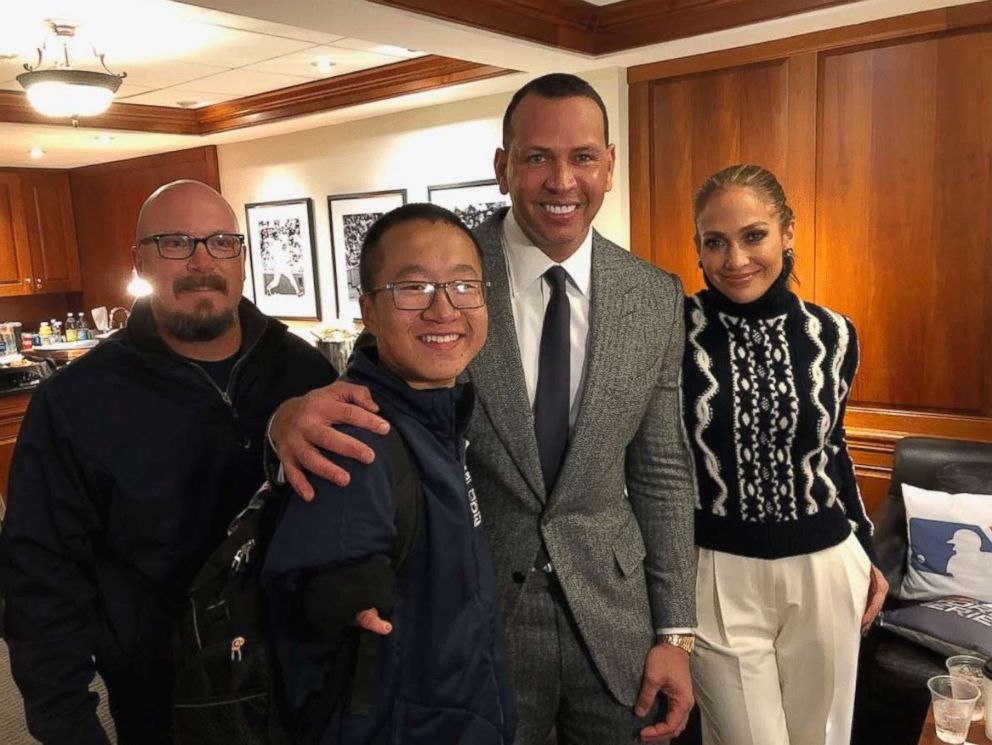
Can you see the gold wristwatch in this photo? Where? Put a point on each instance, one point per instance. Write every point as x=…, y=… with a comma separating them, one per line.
x=685, y=642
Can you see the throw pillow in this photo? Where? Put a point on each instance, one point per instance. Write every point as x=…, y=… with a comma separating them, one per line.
x=949, y=545
x=951, y=625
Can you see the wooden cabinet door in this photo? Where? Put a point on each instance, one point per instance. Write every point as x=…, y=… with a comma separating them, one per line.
x=12, y=410
x=51, y=231
x=15, y=254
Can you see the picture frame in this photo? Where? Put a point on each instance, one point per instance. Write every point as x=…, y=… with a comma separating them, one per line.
x=351, y=216
x=473, y=201
x=282, y=258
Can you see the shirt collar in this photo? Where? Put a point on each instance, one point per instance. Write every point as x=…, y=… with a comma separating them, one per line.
x=527, y=263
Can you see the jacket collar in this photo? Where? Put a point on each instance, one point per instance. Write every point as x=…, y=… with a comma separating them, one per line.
x=445, y=411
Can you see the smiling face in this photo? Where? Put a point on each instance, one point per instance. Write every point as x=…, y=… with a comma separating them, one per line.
x=426, y=348
x=557, y=169
x=741, y=243
x=194, y=299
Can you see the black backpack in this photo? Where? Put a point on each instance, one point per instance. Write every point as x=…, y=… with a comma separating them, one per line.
x=227, y=688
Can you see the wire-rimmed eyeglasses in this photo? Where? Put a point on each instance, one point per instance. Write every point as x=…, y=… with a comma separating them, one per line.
x=463, y=294
x=182, y=246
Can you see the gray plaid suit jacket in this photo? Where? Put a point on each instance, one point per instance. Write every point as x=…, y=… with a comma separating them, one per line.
x=619, y=523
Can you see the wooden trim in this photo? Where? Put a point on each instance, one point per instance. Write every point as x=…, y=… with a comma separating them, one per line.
x=206, y=153
x=888, y=425
x=566, y=24
x=15, y=109
x=800, y=173
x=578, y=26
x=637, y=23
x=377, y=83
x=871, y=32
x=639, y=170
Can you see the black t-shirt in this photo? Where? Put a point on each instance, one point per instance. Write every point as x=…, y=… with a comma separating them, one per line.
x=220, y=370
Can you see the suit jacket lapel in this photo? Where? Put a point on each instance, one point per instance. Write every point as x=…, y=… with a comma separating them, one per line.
x=497, y=372
x=605, y=316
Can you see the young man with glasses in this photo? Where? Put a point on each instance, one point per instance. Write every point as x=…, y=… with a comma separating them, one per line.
x=440, y=673
x=128, y=468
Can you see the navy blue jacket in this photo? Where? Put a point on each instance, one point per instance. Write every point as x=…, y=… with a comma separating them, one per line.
x=128, y=468
x=441, y=676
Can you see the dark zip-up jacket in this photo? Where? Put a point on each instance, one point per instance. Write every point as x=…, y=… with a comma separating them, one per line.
x=441, y=676
x=128, y=468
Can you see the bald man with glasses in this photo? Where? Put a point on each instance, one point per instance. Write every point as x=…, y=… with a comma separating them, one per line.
x=129, y=467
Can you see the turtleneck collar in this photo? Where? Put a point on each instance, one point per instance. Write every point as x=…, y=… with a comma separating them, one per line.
x=444, y=411
x=776, y=300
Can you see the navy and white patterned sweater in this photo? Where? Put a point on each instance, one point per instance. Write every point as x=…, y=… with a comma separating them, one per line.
x=765, y=386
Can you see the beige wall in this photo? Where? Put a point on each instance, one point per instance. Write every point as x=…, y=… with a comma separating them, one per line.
x=445, y=144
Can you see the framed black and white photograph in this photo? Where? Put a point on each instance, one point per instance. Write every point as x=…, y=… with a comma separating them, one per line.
x=351, y=217
x=474, y=201
x=283, y=258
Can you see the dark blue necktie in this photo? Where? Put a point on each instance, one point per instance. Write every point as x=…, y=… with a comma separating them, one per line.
x=553, y=384
x=551, y=404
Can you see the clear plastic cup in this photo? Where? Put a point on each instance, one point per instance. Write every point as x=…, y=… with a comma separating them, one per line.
x=969, y=667
x=953, y=703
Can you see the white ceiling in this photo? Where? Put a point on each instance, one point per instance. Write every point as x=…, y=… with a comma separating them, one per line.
x=182, y=55
x=214, y=50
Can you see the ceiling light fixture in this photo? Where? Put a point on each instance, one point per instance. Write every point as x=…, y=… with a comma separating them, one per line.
x=61, y=91
x=36, y=152
x=104, y=139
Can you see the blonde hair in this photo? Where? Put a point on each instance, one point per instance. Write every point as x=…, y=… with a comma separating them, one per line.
x=759, y=179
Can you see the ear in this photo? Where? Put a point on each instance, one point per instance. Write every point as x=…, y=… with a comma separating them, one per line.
x=611, y=161
x=369, y=316
x=500, y=161
x=137, y=261
x=789, y=235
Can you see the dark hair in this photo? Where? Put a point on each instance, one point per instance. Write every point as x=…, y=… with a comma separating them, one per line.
x=555, y=85
x=753, y=177
x=369, y=262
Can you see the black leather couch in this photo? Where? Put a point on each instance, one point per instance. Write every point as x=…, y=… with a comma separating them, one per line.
x=892, y=696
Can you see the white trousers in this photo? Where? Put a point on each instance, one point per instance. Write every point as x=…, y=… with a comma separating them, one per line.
x=777, y=646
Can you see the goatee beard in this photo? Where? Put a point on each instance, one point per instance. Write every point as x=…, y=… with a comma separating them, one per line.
x=192, y=327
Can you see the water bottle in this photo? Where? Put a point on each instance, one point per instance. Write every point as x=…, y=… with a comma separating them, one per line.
x=70, y=328
x=82, y=328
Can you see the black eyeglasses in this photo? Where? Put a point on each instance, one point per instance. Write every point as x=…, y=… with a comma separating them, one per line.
x=182, y=246
x=463, y=294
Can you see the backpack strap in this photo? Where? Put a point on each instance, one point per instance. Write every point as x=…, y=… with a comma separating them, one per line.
x=356, y=665
x=409, y=498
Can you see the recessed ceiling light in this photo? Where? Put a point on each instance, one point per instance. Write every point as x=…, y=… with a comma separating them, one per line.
x=323, y=64
x=104, y=139
x=36, y=152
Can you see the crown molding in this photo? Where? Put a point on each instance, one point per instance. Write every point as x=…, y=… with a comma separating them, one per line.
x=578, y=26
x=566, y=24
x=15, y=109
x=399, y=79
x=377, y=83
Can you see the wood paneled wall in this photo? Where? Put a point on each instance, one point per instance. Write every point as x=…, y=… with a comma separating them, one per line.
x=882, y=137
x=106, y=199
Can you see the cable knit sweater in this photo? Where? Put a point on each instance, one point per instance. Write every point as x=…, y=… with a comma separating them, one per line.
x=765, y=385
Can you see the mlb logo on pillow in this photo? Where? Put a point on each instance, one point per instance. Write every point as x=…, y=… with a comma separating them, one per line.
x=950, y=544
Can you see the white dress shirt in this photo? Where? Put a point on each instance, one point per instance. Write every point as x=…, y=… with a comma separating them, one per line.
x=530, y=294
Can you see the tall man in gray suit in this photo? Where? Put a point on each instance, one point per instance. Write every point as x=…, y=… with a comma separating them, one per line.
x=577, y=447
